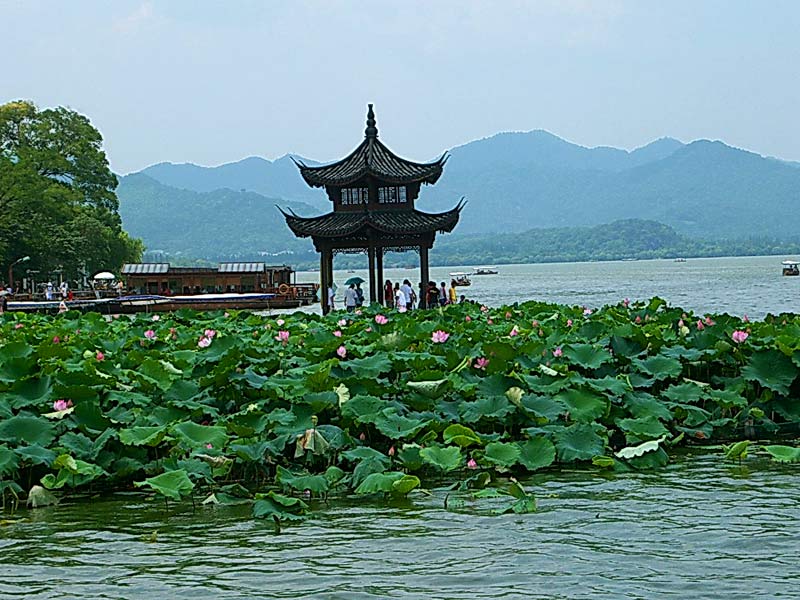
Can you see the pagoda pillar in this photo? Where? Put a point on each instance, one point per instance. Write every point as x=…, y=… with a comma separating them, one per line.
x=323, y=281
x=379, y=273
x=424, y=273
x=371, y=258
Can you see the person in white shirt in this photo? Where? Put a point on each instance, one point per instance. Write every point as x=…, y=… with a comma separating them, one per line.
x=331, y=297
x=350, y=298
x=399, y=299
x=407, y=292
x=64, y=289
x=48, y=291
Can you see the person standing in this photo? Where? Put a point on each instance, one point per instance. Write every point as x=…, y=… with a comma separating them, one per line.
x=64, y=287
x=331, y=298
x=350, y=298
x=399, y=298
x=432, y=295
x=442, y=295
x=388, y=294
x=359, y=296
x=408, y=292
x=453, y=295
x=48, y=291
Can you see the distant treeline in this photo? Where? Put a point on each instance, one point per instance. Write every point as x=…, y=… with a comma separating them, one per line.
x=626, y=239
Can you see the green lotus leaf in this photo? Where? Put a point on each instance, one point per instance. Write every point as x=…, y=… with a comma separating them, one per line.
x=641, y=449
x=31, y=430
x=8, y=461
x=367, y=467
x=503, y=454
x=128, y=398
x=659, y=367
x=409, y=456
x=379, y=482
x=317, y=484
x=578, y=442
x=397, y=427
x=649, y=460
x=643, y=428
x=278, y=506
x=495, y=385
x=772, y=369
x=583, y=406
x=364, y=453
x=181, y=390
x=461, y=436
x=334, y=475
x=142, y=436
x=363, y=408
x=161, y=372
x=78, y=444
x=430, y=389
x=736, y=451
x=626, y=347
x=172, y=484
x=684, y=393
x=609, y=385
x=537, y=453
x=194, y=435
x=370, y=367
x=642, y=405
x=783, y=453
x=689, y=354
x=494, y=407
x=404, y=485
x=588, y=356
x=29, y=392
x=544, y=407
x=785, y=406
x=445, y=459
x=36, y=455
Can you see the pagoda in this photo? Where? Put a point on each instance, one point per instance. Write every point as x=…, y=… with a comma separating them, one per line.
x=373, y=193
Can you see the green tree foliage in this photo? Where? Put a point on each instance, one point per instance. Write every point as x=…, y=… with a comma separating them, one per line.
x=57, y=194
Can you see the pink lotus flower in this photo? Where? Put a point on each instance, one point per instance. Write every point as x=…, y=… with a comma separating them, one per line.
x=172, y=330
x=471, y=464
x=587, y=312
x=709, y=322
x=209, y=333
x=514, y=332
x=569, y=322
x=534, y=323
x=541, y=333
x=56, y=339
x=19, y=326
x=62, y=404
x=100, y=356
x=368, y=330
x=745, y=319
x=156, y=318
x=341, y=351
x=337, y=333
x=489, y=321
x=638, y=319
x=484, y=308
x=700, y=325
x=226, y=315
x=439, y=336
x=362, y=436
x=557, y=351
x=209, y=446
x=381, y=320
x=342, y=322
x=204, y=342
x=391, y=451
x=481, y=363
x=508, y=315
x=150, y=334
x=283, y=336
x=626, y=303
x=402, y=309
x=739, y=336
x=468, y=318
x=680, y=323
x=280, y=322
x=358, y=311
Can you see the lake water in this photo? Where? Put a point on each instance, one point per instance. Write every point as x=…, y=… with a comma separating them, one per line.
x=701, y=528
x=743, y=285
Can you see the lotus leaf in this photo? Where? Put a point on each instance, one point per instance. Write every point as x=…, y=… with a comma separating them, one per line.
x=404, y=485
x=29, y=392
x=544, y=407
x=537, y=453
x=278, y=506
x=445, y=459
x=142, y=436
x=736, y=451
x=396, y=427
x=643, y=405
x=583, y=406
x=316, y=484
x=36, y=455
x=28, y=429
x=172, y=484
x=783, y=453
x=494, y=407
x=578, y=442
x=8, y=461
x=461, y=436
x=587, y=356
x=370, y=367
x=430, y=389
x=643, y=428
x=772, y=369
x=194, y=435
x=379, y=482
x=502, y=454
x=684, y=393
x=636, y=451
x=39, y=497
x=659, y=367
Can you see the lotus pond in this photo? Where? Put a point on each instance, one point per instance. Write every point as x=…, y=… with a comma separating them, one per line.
x=280, y=417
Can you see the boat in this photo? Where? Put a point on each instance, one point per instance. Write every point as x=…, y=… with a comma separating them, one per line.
x=461, y=279
x=790, y=268
x=680, y=259
x=484, y=271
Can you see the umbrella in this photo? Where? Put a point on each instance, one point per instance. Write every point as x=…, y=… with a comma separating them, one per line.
x=354, y=280
x=105, y=275
x=4, y=292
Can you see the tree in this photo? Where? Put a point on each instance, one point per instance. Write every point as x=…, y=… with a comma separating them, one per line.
x=57, y=194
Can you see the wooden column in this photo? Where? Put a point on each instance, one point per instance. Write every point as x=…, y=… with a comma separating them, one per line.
x=423, y=273
x=379, y=271
x=371, y=258
x=330, y=269
x=323, y=281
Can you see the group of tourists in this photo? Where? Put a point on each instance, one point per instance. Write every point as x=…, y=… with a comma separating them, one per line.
x=404, y=297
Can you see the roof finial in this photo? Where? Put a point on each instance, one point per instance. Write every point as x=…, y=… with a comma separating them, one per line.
x=371, y=130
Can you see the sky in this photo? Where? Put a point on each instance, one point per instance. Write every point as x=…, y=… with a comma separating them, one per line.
x=214, y=82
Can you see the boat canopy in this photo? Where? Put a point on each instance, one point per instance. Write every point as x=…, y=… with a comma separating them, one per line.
x=789, y=263
x=460, y=274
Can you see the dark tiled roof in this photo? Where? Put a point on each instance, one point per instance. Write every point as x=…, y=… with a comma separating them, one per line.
x=372, y=158
x=394, y=222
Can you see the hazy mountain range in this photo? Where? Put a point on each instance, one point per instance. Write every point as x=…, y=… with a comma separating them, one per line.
x=513, y=182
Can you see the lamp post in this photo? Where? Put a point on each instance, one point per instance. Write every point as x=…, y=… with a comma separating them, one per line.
x=11, y=270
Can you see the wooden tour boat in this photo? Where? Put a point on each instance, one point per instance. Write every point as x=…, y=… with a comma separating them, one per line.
x=790, y=268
